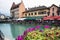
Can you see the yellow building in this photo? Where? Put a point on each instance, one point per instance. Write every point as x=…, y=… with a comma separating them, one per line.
x=37, y=12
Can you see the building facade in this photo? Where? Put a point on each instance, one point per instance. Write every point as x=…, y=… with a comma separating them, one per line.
x=19, y=11
x=36, y=12
x=54, y=13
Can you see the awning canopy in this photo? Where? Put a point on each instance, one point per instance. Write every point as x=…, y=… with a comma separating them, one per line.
x=35, y=17
x=19, y=19
x=27, y=19
x=52, y=18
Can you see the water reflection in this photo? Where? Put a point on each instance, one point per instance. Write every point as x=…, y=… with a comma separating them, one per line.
x=11, y=31
x=18, y=29
x=5, y=28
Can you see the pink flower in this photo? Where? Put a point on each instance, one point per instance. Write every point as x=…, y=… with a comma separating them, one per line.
x=20, y=38
x=37, y=27
x=46, y=26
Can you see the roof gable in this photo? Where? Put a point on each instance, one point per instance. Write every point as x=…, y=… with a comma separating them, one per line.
x=53, y=5
x=15, y=6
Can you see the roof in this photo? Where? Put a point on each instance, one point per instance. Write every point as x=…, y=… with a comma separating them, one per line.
x=36, y=8
x=15, y=6
x=54, y=5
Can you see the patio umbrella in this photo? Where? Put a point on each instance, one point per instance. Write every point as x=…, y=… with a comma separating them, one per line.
x=20, y=18
x=27, y=19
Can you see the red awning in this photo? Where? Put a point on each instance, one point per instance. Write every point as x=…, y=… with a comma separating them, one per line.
x=52, y=18
x=48, y=18
x=58, y=18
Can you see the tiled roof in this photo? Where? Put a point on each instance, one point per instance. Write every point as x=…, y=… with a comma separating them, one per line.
x=36, y=8
x=15, y=6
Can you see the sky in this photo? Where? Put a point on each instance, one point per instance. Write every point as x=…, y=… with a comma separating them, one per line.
x=5, y=5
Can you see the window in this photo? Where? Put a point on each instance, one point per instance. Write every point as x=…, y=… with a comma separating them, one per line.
x=58, y=13
x=13, y=14
x=31, y=13
x=48, y=13
x=25, y=14
x=52, y=14
x=44, y=12
x=35, y=13
x=39, y=13
x=53, y=9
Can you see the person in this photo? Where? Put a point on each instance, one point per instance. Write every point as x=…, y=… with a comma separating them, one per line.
x=1, y=36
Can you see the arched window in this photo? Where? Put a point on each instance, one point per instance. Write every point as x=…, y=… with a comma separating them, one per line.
x=25, y=14
x=29, y=14
x=35, y=13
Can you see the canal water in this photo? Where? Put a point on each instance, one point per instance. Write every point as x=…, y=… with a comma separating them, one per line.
x=11, y=31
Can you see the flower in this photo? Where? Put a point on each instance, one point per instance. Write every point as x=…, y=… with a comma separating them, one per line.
x=57, y=34
x=28, y=30
x=41, y=30
x=25, y=33
x=37, y=27
x=20, y=37
x=46, y=26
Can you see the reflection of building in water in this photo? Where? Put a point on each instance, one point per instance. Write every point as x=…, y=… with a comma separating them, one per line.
x=1, y=36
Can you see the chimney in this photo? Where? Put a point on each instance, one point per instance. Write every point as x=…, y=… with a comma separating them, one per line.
x=21, y=1
x=13, y=4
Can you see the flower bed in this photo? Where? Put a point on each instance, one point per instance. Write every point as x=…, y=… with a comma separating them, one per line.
x=37, y=34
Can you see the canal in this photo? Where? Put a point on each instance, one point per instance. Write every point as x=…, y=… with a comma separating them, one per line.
x=12, y=30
